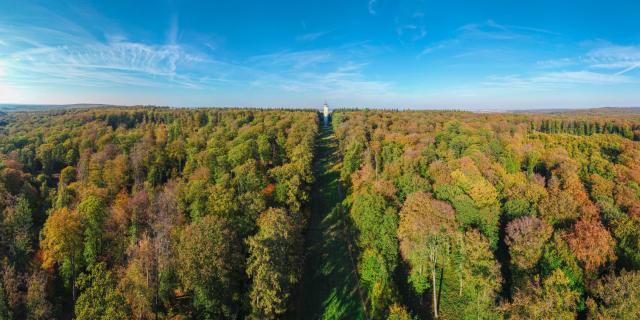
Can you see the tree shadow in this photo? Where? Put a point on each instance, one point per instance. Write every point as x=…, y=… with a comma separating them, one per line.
x=330, y=286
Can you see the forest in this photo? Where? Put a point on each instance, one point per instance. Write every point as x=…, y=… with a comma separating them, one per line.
x=461, y=215
x=147, y=213
x=164, y=213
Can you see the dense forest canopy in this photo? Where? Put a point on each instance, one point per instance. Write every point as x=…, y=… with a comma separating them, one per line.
x=116, y=213
x=487, y=216
x=145, y=213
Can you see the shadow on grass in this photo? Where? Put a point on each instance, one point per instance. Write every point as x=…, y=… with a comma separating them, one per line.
x=329, y=288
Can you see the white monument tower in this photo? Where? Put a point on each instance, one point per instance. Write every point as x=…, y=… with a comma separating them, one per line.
x=325, y=113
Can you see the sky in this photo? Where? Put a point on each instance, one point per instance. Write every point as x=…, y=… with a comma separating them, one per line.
x=365, y=53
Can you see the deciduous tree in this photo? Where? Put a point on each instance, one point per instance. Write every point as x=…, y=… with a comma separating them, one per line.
x=274, y=263
x=208, y=256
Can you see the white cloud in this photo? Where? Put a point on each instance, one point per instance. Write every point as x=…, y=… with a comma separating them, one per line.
x=439, y=46
x=294, y=59
x=623, y=58
x=401, y=29
x=630, y=68
x=172, y=35
x=580, y=77
x=554, y=80
x=490, y=30
x=45, y=58
x=372, y=10
x=122, y=63
x=311, y=36
x=556, y=63
x=332, y=73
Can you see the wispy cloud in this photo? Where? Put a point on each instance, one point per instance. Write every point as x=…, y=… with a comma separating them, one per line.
x=630, y=68
x=554, y=80
x=120, y=63
x=556, y=63
x=491, y=30
x=372, y=10
x=580, y=77
x=488, y=31
x=312, y=36
x=174, y=29
x=294, y=59
x=439, y=46
x=69, y=55
x=334, y=73
x=616, y=59
x=414, y=31
x=42, y=57
x=612, y=57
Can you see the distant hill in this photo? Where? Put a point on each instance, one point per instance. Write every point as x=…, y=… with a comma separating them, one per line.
x=44, y=107
x=607, y=111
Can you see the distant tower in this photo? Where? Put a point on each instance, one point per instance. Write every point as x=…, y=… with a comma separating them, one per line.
x=325, y=113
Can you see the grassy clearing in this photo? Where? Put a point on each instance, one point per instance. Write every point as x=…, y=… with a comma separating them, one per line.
x=330, y=284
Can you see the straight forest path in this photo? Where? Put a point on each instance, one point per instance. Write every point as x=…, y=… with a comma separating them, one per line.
x=330, y=288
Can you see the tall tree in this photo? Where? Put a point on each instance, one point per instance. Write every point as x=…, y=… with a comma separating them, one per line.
x=274, y=263
x=99, y=299
x=18, y=230
x=62, y=243
x=480, y=279
x=208, y=256
x=93, y=214
x=137, y=284
x=377, y=226
x=426, y=232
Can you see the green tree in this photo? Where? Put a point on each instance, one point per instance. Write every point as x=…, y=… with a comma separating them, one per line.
x=274, y=263
x=99, y=298
x=93, y=215
x=208, y=256
x=627, y=231
x=18, y=225
x=557, y=255
x=553, y=300
x=398, y=312
x=616, y=297
x=426, y=232
x=480, y=279
x=377, y=226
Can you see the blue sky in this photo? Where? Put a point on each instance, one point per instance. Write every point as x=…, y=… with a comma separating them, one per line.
x=368, y=53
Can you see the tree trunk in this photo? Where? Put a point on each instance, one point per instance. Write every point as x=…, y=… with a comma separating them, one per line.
x=435, y=294
x=73, y=279
x=434, y=263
